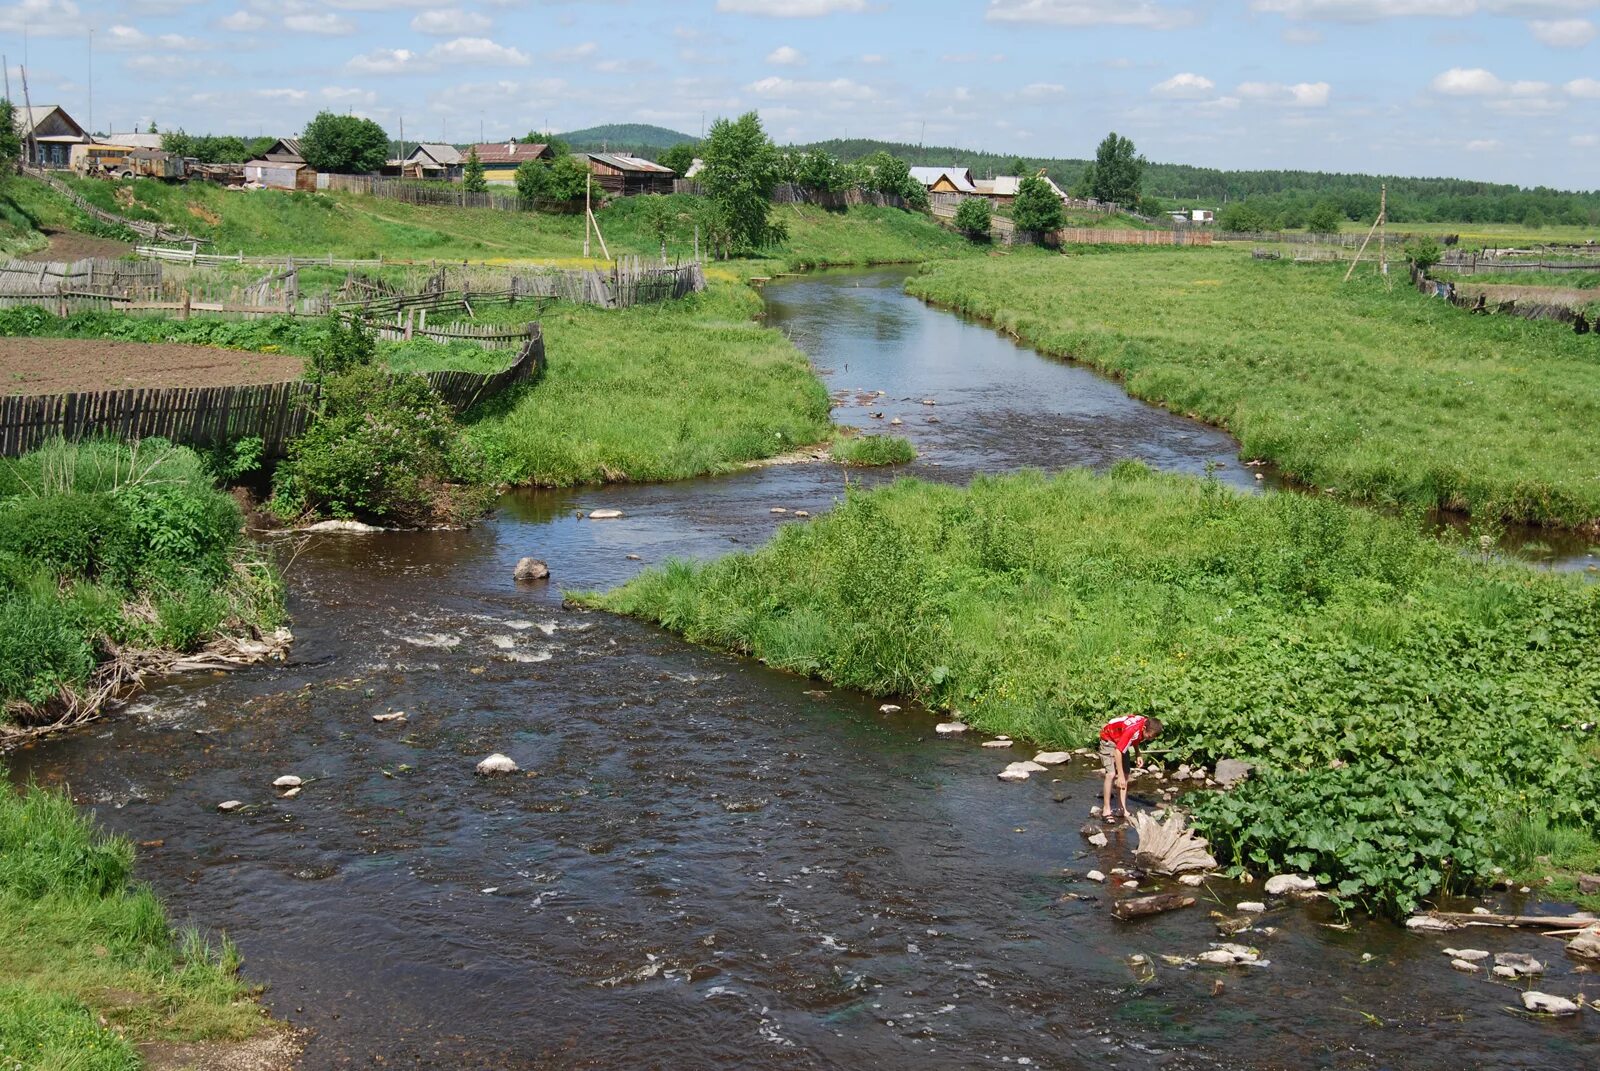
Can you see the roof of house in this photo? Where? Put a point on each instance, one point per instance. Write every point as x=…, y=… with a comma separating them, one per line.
x=29, y=118
x=959, y=177
x=624, y=162
x=509, y=152
x=132, y=140
x=443, y=155
x=1007, y=186
x=293, y=165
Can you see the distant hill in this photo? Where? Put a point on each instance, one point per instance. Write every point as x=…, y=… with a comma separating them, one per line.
x=1284, y=194
x=634, y=138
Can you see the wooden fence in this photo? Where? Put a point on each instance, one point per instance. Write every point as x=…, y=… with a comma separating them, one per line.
x=155, y=232
x=415, y=192
x=1473, y=263
x=26, y=278
x=1481, y=305
x=194, y=256
x=205, y=416
x=1107, y=236
x=787, y=193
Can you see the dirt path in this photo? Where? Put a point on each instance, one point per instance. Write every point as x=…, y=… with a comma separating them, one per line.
x=70, y=245
x=61, y=365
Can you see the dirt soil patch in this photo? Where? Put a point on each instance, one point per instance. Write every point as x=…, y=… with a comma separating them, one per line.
x=277, y=1051
x=63, y=365
x=70, y=245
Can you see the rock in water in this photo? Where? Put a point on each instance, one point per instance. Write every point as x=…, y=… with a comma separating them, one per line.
x=1170, y=847
x=1465, y=965
x=230, y=805
x=948, y=727
x=1586, y=944
x=1279, y=884
x=1192, y=879
x=396, y=715
x=889, y=708
x=1052, y=758
x=1547, y=1004
x=292, y=793
x=1254, y=907
x=1471, y=955
x=1095, y=875
x=288, y=781
x=1230, y=770
x=996, y=743
x=531, y=569
x=342, y=526
x=1014, y=772
x=1137, y=907
x=495, y=765
x=604, y=514
x=1098, y=840
x=1517, y=961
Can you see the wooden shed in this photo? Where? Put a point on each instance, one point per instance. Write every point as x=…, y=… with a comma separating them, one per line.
x=625, y=176
x=282, y=167
x=501, y=159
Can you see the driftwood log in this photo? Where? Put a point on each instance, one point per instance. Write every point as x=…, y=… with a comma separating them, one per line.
x=1170, y=847
x=1138, y=907
x=1467, y=918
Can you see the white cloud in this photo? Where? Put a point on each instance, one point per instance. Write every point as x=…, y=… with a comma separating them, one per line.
x=386, y=61
x=479, y=51
x=325, y=24
x=1184, y=85
x=1298, y=95
x=791, y=9
x=42, y=18
x=1583, y=88
x=1375, y=10
x=1584, y=141
x=1483, y=145
x=293, y=96
x=242, y=22
x=835, y=91
x=452, y=22
x=129, y=38
x=1042, y=90
x=785, y=56
x=1141, y=13
x=1468, y=82
x=1563, y=33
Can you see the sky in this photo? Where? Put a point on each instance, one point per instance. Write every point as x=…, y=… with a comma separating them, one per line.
x=1503, y=90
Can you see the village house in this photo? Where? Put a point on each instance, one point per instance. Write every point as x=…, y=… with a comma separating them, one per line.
x=133, y=139
x=945, y=179
x=282, y=167
x=1002, y=189
x=52, y=133
x=431, y=160
x=625, y=176
x=501, y=159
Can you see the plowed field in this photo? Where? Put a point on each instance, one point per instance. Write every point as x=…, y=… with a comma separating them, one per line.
x=62, y=365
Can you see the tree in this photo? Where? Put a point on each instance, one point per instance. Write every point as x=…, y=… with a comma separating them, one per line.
x=1116, y=173
x=562, y=180
x=1019, y=166
x=819, y=171
x=10, y=142
x=660, y=219
x=1242, y=216
x=1036, y=206
x=972, y=217
x=472, y=179
x=680, y=158
x=741, y=165
x=344, y=144
x=1324, y=218
x=1424, y=253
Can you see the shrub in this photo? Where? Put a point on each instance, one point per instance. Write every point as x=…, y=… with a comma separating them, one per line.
x=348, y=345
x=873, y=450
x=973, y=217
x=41, y=649
x=1036, y=207
x=1324, y=219
x=1423, y=252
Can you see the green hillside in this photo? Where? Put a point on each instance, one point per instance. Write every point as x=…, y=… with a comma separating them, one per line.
x=640, y=138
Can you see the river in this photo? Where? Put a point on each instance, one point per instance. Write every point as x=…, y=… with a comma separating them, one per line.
x=708, y=863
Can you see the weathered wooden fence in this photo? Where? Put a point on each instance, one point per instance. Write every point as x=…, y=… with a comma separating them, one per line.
x=155, y=232
x=422, y=192
x=26, y=278
x=787, y=193
x=945, y=204
x=1108, y=236
x=205, y=416
x=1476, y=262
x=1528, y=310
x=194, y=256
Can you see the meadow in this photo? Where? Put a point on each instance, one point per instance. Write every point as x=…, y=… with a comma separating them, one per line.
x=89, y=964
x=1409, y=705
x=1369, y=392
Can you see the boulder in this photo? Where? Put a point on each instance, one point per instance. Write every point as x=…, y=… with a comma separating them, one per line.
x=604, y=514
x=1519, y=962
x=1465, y=965
x=1014, y=772
x=1471, y=955
x=1191, y=879
x=1170, y=847
x=495, y=765
x=1428, y=922
x=1586, y=944
x=1588, y=884
x=946, y=728
x=531, y=569
x=393, y=715
x=1098, y=839
x=292, y=793
x=1230, y=771
x=777, y=509
x=1095, y=875
x=1138, y=907
x=288, y=781
x=1545, y=1004
x=1279, y=884
x=1052, y=758
x=230, y=805
x=1504, y=972
x=355, y=527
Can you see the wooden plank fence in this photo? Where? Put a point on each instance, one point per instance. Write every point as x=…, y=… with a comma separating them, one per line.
x=24, y=278
x=422, y=192
x=192, y=255
x=1528, y=310
x=1107, y=236
x=205, y=416
x=1474, y=263
x=154, y=232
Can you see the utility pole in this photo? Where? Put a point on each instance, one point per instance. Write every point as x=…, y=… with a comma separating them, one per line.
x=1377, y=227
x=91, y=81
x=587, y=215
x=1383, y=231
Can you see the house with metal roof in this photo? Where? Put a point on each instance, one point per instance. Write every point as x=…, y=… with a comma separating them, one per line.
x=48, y=134
x=134, y=140
x=282, y=167
x=945, y=179
x=501, y=159
x=1002, y=189
x=624, y=176
x=431, y=160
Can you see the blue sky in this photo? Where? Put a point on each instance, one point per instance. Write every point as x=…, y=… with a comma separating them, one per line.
x=1507, y=90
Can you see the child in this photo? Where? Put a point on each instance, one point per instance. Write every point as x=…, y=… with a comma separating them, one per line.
x=1118, y=735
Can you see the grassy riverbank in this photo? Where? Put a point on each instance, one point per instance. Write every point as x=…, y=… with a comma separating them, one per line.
x=1406, y=703
x=1383, y=395
x=90, y=967
x=110, y=549
x=655, y=392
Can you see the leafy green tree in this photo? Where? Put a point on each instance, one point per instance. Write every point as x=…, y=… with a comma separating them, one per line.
x=1116, y=173
x=472, y=179
x=680, y=158
x=562, y=180
x=1019, y=166
x=973, y=217
x=1036, y=207
x=1242, y=216
x=741, y=165
x=10, y=142
x=819, y=171
x=344, y=144
x=660, y=218
x=1423, y=252
x=1324, y=218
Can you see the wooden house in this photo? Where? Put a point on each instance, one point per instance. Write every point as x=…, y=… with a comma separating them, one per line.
x=282, y=167
x=624, y=176
x=1002, y=189
x=432, y=160
x=501, y=159
x=51, y=133
x=945, y=179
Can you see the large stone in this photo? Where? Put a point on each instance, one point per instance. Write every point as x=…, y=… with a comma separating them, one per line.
x=1052, y=758
x=288, y=781
x=1428, y=922
x=496, y=765
x=604, y=514
x=1231, y=770
x=1098, y=839
x=1279, y=884
x=1471, y=955
x=1547, y=1004
x=947, y=728
x=1588, y=884
x=889, y=708
x=1519, y=962
x=1465, y=965
x=1014, y=772
x=531, y=569
x=1586, y=944
x=230, y=805
x=354, y=527
x=997, y=743
x=1254, y=907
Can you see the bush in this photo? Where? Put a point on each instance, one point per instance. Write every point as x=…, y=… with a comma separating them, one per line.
x=1036, y=207
x=973, y=217
x=1324, y=219
x=348, y=345
x=1423, y=253
x=873, y=450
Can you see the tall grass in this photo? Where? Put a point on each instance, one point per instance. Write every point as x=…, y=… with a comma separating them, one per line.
x=655, y=392
x=1382, y=395
x=88, y=962
x=1398, y=695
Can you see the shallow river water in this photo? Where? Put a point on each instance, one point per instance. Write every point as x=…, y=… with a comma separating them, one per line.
x=708, y=863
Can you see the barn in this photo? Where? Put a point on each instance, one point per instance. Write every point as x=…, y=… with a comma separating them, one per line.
x=282, y=167
x=625, y=176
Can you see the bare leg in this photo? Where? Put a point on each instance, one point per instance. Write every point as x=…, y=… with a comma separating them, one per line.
x=1105, y=811
x=1122, y=791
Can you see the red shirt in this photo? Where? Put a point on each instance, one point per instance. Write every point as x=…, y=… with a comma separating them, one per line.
x=1125, y=731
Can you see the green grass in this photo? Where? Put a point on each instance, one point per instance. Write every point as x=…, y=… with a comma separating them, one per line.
x=81, y=944
x=1382, y=395
x=655, y=392
x=1403, y=699
x=873, y=450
